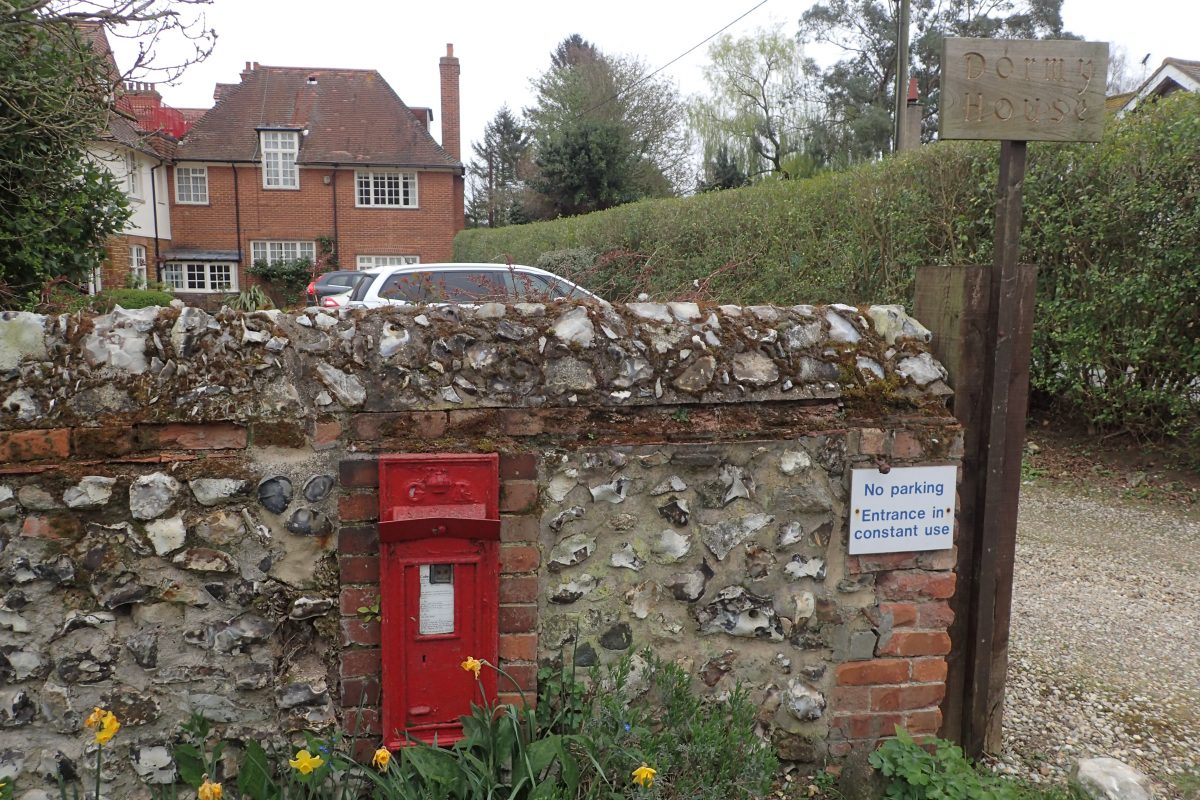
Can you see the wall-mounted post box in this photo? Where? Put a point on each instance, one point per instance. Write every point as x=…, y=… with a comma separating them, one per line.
x=439, y=536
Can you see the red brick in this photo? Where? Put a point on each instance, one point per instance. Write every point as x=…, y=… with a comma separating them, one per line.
x=358, y=569
x=519, y=558
x=518, y=466
x=866, y=726
x=101, y=442
x=415, y=425
x=935, y=616
x=518, y=619
x=325, y=434
x=362, y=691
x=915, y=643
x=364, y=749
x=939, y=559
x=521, y=423
x=353, y=598
x=880, y=562
x=523, y=677
x=903, y=615
x=518, y=646
x=35, y=445
x=355, y=507
x=906, y=446
x=527, y=700
x=208, y=436
x=51, y=526
x=868, y=673
x=361, y=722
x=356, y=663
x=851, y=698
x=904, y=698
x=430, y=424
x=871, y=442
x=518, y=496
x=518, y=588
x=355, y=631
x=358, y=540
x=928, y=721
x=915, y=585
x=927, y=670
x=359, y=473
x=519, y=529
x=840, y=749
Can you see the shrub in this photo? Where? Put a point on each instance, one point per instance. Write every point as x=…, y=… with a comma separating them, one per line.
x=1114, y=229
x=287, y=278
x=935, y=770
x=106, y=300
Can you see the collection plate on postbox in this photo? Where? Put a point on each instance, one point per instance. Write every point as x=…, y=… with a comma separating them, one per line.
x=439, y=535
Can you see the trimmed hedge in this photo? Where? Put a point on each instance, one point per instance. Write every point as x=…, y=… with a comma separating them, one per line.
x=1114, y=229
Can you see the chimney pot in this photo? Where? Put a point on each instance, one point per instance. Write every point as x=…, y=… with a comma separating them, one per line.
x=449, y=50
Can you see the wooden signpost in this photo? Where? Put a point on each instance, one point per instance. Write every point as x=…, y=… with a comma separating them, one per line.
x=1015, y=91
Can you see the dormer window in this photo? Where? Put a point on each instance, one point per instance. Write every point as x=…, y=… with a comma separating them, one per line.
x=279, y=150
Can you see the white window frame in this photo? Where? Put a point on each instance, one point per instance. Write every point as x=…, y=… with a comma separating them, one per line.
x=366, y=262
x=372, y=189
x=138, y=276
x=197, y=196
x=272, y=250
x=198, y=277
x=279, y=151
x=133, y=175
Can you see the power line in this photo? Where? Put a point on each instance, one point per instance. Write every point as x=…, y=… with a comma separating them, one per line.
x=687, y=52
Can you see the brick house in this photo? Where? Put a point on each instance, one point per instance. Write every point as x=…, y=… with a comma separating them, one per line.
x=325, y=164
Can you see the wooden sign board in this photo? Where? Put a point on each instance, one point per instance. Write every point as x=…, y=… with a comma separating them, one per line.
x=1023, y=90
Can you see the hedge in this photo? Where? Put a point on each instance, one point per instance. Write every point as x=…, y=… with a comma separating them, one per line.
x=1113, y=227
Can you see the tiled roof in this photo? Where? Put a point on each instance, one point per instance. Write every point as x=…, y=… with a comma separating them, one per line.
x=1190, y=68
x=352, y=117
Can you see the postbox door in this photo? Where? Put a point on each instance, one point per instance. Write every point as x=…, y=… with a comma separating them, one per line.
x=439, y=592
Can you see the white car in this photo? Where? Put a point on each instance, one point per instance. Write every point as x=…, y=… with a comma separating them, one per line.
x=415, y=284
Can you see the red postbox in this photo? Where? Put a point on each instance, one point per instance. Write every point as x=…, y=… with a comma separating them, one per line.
x=439, y=535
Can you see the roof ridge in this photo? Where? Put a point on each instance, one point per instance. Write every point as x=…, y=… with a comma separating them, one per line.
x=261, y=67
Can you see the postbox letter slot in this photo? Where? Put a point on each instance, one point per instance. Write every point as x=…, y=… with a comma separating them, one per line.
x=419, y=711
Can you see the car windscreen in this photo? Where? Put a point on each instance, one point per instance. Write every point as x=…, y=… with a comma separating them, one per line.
x=407, y=287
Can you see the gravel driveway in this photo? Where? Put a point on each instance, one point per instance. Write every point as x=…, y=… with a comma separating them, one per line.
x=1105, y=648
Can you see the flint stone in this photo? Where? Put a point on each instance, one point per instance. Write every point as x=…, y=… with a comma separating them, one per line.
x=151, y=495
x=35, y=498
x=22, y=336
x=302, y=694
x=393, y=339
x=618, y=637
x=24, y=664
x=1110, y=779
x=689, y=586
x=803, y=702
x=121, y=590
x=632, y=371
x=561, y=484
x=755, y=369
x=696, y=378
x=585, y=655
x=565, y=516
x=651, y=312
x=309, y=607
x=671, y=484
x=514, y=331
x=728, y=534
x=575, y=328
x=893, y=323
x=17, y=709
x=215, y=707
x=204, y=559
x=922, y=369
x=641, y=599
x=214, y=491
x=346, y=388
x=252, y=676
x=154, y=764
x=118, y=339
x=676, y=512
x=275, y=494
x=737, y=612
x=93, y=491
x=144, y=649
x=574, y=589
x=309, y=522
x=132, y=707
x=802, y=337
x=221, y=528
x=189, y=326
x=571, y=551
x=245, y=630
x=625, y=557
x=568, y=375
x=613, y=492
x=793, y=461
x=671, y=546
x=814, y=370
x=166, y=535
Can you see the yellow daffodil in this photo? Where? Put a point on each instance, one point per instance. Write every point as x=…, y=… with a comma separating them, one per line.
x=107, y=724
x=644, y=775
x=305, y=762
x=382, y=758
x=95, y=719
x=473, y=665
x=209, y=790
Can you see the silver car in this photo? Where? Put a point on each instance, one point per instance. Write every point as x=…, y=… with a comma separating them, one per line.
x=415, y=284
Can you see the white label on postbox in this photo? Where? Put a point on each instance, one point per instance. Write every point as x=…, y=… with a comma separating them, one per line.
x=905, y=509
x=437, y=602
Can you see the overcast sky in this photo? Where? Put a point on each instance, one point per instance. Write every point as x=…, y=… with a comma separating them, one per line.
x=502, y=45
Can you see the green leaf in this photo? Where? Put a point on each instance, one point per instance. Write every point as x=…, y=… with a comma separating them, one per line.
x=254, y=774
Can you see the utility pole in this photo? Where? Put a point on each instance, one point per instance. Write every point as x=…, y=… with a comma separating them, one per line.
x=901, y=74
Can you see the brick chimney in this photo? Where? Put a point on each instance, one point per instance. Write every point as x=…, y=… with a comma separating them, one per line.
x=451, y=136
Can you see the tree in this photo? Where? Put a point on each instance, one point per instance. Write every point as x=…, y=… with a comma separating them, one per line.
x=57, y=92
x=588, y=96
x=722, y=172
x=757, y=111
x=496, y=175
x=859, y=87
x=586, y=167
